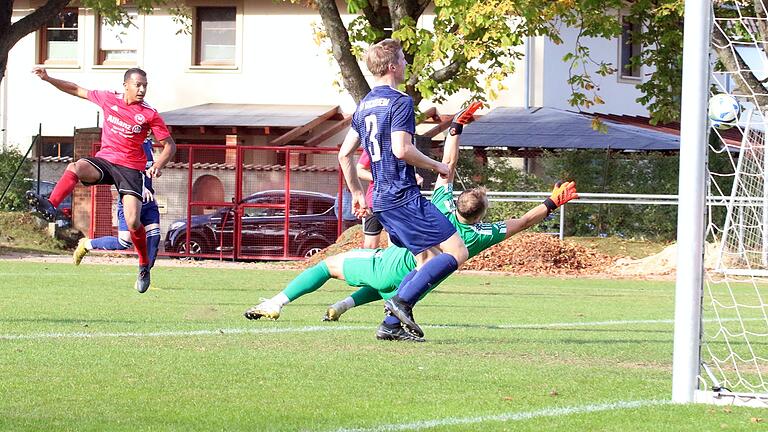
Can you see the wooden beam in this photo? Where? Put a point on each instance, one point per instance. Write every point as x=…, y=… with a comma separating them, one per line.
x=301, y=130
x=431, y=113
x=443, y=125
x=333, y=130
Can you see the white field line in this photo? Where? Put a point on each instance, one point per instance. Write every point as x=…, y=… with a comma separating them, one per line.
x=235, y=331
x=309, y=329
x=50, y=274
x=509, y=417
x=592, y=323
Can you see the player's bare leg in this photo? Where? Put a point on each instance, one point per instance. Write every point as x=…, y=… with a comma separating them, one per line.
x=132, y=212
x=75, y=172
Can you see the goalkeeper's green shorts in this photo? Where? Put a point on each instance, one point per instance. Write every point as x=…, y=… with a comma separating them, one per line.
x=364, y=267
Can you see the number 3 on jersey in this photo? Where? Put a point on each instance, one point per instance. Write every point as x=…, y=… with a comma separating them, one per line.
x=372, y=126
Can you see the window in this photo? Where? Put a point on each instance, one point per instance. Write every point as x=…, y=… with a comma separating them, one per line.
x=322, y=206
x=215, y=34
x=55, y=146
x=59, y=39
x=299, y=206
x=118, y=44
x=628, y=50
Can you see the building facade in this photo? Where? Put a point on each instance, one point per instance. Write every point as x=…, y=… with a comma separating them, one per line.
x=238, y=52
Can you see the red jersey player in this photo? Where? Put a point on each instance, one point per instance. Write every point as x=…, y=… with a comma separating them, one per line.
x=121, y=159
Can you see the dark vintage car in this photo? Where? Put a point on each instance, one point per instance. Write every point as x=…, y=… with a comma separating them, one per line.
x=312, y=227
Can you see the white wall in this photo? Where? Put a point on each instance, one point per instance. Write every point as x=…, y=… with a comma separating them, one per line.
x=553, y=89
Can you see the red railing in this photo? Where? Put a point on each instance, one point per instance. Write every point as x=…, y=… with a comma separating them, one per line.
x=225, y=228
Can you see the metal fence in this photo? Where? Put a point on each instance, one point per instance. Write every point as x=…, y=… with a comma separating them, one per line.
x=584, y=198
x=242, y=202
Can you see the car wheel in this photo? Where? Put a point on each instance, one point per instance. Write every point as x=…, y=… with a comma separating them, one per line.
x=195, y=248
x=312, y=249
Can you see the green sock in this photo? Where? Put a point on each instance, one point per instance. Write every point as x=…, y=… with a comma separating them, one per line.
x=308, y=281
x=365, y=295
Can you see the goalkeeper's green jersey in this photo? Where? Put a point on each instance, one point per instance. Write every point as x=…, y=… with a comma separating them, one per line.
x=477, y=237
x=384, y=269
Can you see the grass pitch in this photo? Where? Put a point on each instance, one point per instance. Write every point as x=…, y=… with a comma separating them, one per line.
x=81, y=350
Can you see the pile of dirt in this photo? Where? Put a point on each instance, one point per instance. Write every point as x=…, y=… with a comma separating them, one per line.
x=540, y=254
x=662, y=263
x=522, y=254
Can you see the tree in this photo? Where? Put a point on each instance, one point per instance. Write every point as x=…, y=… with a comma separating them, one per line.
x=111, y=11
x=471, y=46
x=661, y=38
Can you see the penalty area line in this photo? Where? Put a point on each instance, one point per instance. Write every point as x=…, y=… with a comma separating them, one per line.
x=509, y=417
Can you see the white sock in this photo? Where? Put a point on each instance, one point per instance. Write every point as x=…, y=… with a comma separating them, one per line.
x=281, y=299
x=344, y=305
x=88, y=244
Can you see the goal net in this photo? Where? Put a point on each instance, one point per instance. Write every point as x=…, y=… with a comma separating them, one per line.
x=734, y=324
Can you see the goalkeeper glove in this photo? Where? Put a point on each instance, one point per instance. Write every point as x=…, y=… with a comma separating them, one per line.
x=463, y=117
x=561, y=194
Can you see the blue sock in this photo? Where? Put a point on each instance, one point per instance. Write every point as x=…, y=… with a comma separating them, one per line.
x=153, y=245
x=431, y=273
x=407, y=278
x=392, y=321
x=107, y=243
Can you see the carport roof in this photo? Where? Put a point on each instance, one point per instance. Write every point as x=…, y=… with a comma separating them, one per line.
x=549, y=128
x=247, y=115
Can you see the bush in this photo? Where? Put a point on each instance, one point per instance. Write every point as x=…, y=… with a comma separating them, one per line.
x=14, y=199
x=499, y=175
x=602, y=171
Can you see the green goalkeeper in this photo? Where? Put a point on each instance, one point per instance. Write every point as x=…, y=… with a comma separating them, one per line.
x=379, y=272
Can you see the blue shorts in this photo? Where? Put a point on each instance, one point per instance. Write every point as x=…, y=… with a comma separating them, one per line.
x=417, y=225
x=149, y=215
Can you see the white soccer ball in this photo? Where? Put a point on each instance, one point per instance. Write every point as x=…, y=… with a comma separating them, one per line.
x=723, y=111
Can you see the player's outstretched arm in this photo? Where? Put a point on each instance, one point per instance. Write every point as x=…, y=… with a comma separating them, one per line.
x=451, y=144
x=65, y=86
x=561, y=194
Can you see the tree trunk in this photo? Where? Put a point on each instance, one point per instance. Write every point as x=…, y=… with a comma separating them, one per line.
x=10, y=34
x=352, y=76
x=747, y=83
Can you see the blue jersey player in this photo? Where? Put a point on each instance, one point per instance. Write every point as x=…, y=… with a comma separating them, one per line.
x=150, y=218
x=385, y=125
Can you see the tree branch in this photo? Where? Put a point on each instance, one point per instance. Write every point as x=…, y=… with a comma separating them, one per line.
x=30, y=23
x=733, y=62
x=353, y=78
x=378, y=21
x=762, y=25
x=397, y=11
x=421, y=6
x=448, y=72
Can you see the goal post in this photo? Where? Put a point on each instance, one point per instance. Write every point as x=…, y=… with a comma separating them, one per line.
x=721, y=294
x=691, y=204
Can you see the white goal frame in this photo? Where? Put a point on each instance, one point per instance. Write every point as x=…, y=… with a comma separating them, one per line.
x=688, y=371
x=692, y=192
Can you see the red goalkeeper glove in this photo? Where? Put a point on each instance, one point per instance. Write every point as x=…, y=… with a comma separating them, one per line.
x=561, y=194
x=463, y=117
